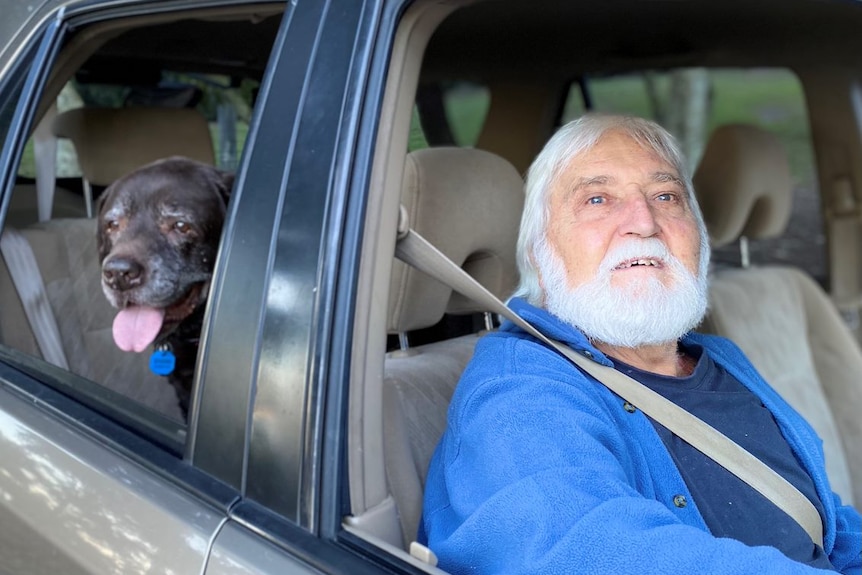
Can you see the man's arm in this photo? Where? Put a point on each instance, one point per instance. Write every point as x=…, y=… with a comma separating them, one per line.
x=846, y=554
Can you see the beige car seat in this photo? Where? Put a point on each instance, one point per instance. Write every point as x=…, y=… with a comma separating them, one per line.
x=780, y=317
x=108, y=144
x=111, y=142
x=468, y=204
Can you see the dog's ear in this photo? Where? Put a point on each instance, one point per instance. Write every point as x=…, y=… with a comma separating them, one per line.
x=101, y=240
x=100, y=201
x=224, y=183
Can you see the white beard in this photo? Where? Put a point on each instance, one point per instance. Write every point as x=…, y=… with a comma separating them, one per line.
x=644, y=312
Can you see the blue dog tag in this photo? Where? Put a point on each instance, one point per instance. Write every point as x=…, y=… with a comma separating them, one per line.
x=162, y=362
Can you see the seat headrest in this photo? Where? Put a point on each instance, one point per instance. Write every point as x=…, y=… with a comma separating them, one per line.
x=743, y=184
x=468, y=204
x=110, y=142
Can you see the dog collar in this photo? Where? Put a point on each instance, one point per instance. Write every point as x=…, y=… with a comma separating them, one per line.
x=162, y=360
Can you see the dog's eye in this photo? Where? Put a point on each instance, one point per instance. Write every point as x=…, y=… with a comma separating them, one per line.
x=182, y=227
x=112, y=225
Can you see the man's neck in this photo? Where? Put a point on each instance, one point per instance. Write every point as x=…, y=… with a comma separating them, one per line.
x=663, y=359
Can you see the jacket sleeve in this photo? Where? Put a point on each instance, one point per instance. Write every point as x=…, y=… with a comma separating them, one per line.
x=534, y=476
x=846, y=553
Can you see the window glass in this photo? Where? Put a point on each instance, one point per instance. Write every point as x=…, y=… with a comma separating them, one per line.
x=769, y=98
x=138, y=95
x=226, y=108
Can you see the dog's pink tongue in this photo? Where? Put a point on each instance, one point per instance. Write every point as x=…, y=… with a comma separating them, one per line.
x=137, y=326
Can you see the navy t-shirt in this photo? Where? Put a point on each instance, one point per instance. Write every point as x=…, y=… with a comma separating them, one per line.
x=729, y=506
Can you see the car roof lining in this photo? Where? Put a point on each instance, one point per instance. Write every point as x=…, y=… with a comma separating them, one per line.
x=569, y=39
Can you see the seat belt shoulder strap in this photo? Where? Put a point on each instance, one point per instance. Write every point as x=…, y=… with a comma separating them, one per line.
x=22, y=266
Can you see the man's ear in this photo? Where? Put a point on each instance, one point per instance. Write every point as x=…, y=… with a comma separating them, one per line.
x=538, y=271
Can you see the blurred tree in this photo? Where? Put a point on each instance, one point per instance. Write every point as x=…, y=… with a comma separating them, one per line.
x=685, y=110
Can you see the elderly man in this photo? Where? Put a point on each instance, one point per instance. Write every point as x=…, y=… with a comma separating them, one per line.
x=544, y=470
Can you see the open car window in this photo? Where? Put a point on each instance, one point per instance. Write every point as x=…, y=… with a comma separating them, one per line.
x=121, y=93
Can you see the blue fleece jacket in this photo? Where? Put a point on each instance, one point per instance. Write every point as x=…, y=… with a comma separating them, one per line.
x=542, y=470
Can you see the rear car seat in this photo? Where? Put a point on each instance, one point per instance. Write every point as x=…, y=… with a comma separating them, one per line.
x=468, y=204
x=108, y=143
x=111, y=142
x=780, y=317
x=23, y=210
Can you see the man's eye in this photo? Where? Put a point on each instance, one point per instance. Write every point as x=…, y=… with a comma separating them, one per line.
x=596, y=200
x=667, y=197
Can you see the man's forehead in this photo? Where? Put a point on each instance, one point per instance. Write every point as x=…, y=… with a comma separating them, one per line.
x=572, y=180
x=599, y=162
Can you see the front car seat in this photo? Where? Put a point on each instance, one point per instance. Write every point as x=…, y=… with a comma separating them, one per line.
x=780, y=317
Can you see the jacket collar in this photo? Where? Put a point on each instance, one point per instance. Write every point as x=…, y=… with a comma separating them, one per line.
x=554, y=328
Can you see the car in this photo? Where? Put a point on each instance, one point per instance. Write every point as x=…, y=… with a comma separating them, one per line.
x=325, y=363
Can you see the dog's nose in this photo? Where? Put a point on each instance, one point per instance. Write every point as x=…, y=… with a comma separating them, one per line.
x=122, y=273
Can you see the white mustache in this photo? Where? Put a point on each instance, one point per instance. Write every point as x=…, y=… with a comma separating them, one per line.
x=647, y=249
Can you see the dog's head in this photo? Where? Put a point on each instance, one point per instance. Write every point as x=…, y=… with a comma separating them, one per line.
x=158, y=233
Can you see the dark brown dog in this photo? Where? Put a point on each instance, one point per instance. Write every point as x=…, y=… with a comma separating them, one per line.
x=158, y=234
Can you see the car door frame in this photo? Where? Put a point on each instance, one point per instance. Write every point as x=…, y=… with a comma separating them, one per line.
x=323, y=178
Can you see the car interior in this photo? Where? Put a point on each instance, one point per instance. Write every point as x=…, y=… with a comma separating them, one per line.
x=409, y=348
x=801, y=336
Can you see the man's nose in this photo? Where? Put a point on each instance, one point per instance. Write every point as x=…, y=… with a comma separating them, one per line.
x=639, y=218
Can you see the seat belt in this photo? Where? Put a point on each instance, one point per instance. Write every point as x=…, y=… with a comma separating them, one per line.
x=416, y=251
x=21, y=263
x=45, y=158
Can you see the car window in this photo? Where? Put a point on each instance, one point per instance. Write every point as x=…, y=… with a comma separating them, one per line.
x=227, y=109
x=771, y=98
x=124, y=93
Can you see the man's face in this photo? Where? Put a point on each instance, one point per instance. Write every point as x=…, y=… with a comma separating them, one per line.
x=611, y=198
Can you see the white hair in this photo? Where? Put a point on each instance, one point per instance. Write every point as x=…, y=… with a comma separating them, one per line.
x=571, y=140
